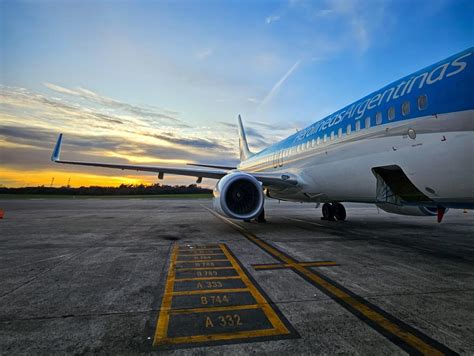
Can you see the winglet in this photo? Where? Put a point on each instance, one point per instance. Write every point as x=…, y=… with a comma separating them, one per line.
x=57, y=149
x=243, y=146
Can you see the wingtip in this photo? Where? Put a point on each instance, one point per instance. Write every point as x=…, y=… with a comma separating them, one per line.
x=57, y=149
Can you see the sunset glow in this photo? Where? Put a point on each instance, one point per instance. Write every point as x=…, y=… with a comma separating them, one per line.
x=161, y=83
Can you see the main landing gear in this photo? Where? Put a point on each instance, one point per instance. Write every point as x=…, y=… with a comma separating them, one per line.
x=333, y=211
x=261, y=217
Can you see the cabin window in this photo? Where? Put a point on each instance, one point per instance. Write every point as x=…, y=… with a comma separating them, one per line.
x=357, y=125
x=367, y=122
x=312, y=143
x=325, y=138
x=339, y=132
x=307, y=144
x=405, y=108
x=391, y=113
x=378, y=118
x=422, y=102
x=318, y=141
x=332, y=135
x=348, y=129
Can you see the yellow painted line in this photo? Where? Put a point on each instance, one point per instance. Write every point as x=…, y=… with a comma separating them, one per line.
x=215, y=309
x=200, y=261
x=267, y=309
x=183, y=248
x=164, y=317
x=369, y=313
x=221, y=336
x=161, y=333
x=305, y=264
x=202, y=268
x=204, y=291
x=204, y=254
x=204, y=278
x=192, y=252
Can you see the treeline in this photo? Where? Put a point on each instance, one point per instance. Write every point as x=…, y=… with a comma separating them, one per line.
x=123, y=189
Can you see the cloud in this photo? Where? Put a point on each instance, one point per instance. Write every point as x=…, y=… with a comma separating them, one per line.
x=272, y=18
x=262, y=137
x=89, y=95
x=30, y=123
x=278, y=84
x=205, y=53
x=254, y=100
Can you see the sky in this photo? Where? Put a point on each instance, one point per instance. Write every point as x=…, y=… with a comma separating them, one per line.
x=162, y=82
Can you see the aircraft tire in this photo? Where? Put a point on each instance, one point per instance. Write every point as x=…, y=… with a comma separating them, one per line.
x=328, y=212
x=339, y=211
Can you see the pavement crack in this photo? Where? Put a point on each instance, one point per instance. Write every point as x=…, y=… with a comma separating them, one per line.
x=38, y=275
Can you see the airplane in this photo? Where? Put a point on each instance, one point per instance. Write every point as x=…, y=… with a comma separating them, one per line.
x=407, y=147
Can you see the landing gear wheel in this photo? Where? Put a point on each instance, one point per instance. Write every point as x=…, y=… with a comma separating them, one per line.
x=261, y=217
x=328, y=212
x=339, y=211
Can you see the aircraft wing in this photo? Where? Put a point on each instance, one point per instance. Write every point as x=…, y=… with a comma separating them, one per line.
x=265, y=178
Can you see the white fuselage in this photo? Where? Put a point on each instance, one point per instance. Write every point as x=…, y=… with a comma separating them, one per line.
x=438, y=161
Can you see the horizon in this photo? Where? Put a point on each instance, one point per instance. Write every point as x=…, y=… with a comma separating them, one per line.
x=163, y=83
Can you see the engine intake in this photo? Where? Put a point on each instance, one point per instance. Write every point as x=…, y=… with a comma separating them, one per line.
x=239, y=196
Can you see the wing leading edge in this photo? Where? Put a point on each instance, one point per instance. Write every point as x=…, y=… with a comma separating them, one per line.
x=265, y=178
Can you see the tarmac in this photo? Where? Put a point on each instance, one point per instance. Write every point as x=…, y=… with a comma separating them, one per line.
x=169, y=276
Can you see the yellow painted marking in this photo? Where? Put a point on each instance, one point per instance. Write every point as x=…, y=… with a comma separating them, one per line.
x=204, y=291
x=204, y=278
x=200, y=261
x=202, y=268
x=182, y=248
x=269, y=312
x=222, y=336
x=373, y=315
x=193, y=252
x=161, y=337
x=305, y=264
x=215, y=309
x=203, y=254
x=164, y=317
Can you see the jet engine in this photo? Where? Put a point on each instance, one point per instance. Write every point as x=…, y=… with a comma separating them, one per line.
x=238, y=195
x=408, y=210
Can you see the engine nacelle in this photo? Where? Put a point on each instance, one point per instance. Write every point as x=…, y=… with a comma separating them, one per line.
x=239, y=196
x=408, y=210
